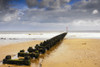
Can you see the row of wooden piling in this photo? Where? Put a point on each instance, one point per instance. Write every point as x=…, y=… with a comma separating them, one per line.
x=34, y=52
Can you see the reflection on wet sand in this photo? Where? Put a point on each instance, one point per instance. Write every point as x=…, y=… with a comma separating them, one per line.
x=38, y=62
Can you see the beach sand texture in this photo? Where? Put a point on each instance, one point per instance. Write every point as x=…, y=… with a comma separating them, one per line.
x=68, y=53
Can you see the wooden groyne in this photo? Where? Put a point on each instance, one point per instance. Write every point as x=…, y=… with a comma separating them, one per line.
x=34, y=52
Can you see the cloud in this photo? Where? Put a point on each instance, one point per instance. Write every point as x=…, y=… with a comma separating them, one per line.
x=89, y=22
x=77, y=17
x=49, y=20
x=9, y=17
x=3, y=4
x=50, y=4
x=95, y=12
x=88, y=5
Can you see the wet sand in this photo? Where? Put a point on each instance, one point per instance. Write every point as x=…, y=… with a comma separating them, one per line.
x=68, y=53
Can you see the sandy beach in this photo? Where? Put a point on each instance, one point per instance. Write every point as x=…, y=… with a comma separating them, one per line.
x=68, y=53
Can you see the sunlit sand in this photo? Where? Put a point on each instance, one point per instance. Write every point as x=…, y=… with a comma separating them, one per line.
x=68, y=53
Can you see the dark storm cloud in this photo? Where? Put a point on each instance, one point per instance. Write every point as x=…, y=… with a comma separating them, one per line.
x=46, y=3
x=3, y=4
x=32, y=3
x=88, y=5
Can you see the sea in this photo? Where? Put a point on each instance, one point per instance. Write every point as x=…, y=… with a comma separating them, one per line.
x=16, y=37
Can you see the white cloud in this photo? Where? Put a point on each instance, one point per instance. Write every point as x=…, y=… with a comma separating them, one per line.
x=67, y=0
x=13, y=16
x=88, y=22
x=7, y=18
x=95, y=11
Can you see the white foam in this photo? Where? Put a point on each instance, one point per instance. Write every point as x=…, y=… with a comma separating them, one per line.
x=91, y=35
x=21, y=37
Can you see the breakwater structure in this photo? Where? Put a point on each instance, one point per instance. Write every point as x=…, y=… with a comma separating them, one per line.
x=34, y=52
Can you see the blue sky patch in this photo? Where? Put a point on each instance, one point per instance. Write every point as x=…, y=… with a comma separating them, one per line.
x=73, y=1
x=19, y=4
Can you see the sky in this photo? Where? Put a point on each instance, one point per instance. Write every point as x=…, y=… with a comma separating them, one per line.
x=50, y=15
